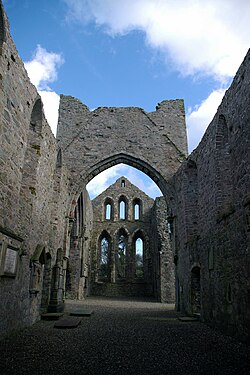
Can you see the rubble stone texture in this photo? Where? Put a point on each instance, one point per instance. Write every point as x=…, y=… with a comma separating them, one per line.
x=211, y=211
x=48, y=225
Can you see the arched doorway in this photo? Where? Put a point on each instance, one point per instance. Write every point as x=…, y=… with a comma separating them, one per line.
x=93, y=141
x=139, y=269
x=103, y=257
x=121, y=254
x=140, y=249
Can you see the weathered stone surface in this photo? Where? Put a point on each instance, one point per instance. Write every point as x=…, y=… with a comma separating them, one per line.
x=152, y=142
x=28, y=154
x=162, y=252
x=46, y=215
x=211, y=211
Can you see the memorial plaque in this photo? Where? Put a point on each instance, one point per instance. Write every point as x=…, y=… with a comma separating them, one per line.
x=10, y=262
x=10, y=249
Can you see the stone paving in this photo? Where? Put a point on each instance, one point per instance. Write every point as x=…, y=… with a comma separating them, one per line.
x=123, y=337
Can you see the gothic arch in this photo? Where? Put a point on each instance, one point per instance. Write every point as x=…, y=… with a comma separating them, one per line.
x=108, y=215
x=140, y=233
x=103, y=234
x=37, y=116
x=137, y=212
x=103, y=266
x=122, y=158
x=102, y=139
x=121, y=229
x=123, y=213
x=140, y=257
x=121, y=252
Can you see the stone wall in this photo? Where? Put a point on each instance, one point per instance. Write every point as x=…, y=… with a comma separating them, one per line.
x=41, y=179
x=93, y=141
x=32, y=193
x=152, y=228
x=78, y=275
x=211, y=216
x=112, y=229
x=162, y=252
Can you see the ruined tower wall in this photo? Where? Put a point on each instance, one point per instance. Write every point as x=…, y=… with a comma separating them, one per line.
x=211, y=216
x=27, y=167
x=95, y=140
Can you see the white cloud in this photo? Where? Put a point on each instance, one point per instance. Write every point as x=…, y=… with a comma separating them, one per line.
x=51, y=102
x=205, y=37
x=197, y=38
x=106, y=178
x=100, y=182
x=199, y=117
x=42, y=70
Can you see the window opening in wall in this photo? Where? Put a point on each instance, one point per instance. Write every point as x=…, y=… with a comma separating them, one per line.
x=104, y=258
x=137, y=211
x=108, y=211
x=170, y=228
x=139, y=257
x=121, y=258
x=37, y=117
x=122, y=210
x=123, y=183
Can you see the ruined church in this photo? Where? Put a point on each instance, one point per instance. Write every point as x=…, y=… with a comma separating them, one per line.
x=190, y=246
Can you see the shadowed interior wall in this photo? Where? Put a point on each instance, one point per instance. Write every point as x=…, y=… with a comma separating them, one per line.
x=211, y=214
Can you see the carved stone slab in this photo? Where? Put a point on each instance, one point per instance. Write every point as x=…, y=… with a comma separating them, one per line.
x=69, y=322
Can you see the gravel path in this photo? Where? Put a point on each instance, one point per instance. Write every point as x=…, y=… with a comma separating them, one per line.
x=123, y=337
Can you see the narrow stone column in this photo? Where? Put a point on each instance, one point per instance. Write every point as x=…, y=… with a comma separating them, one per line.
x=113, y=245
x=56, y=298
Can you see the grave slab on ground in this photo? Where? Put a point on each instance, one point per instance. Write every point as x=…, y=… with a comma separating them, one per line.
x=68, y=322
x=81, y=312
x=51, y=316
x=188, y=319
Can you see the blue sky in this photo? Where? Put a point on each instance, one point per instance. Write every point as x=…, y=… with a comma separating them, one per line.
x=132, y=53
